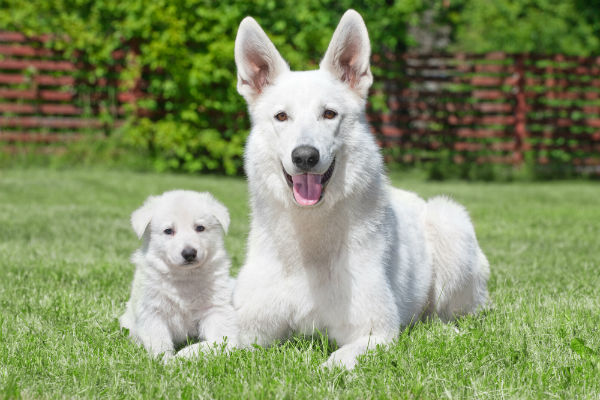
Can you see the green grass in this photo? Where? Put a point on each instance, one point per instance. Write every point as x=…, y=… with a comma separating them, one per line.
x=65, y=242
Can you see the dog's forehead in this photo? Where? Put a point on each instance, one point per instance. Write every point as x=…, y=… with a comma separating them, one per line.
x=307, y=87
x=183, y=210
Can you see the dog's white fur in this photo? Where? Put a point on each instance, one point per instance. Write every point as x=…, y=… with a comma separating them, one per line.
x=173, y=299
x=368, y=259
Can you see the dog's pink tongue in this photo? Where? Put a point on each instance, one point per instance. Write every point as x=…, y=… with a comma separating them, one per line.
x=307, y=189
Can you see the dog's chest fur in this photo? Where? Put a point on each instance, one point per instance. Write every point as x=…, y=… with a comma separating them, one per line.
x=182, y=300
x=318, y=253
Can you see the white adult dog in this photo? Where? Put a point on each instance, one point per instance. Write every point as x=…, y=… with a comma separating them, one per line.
x=332, y=246
x=181, y=288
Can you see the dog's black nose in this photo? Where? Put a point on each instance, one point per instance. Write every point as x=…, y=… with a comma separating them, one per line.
x=305, y=157
x=189, y=254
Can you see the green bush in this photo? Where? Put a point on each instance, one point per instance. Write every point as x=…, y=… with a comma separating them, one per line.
x=185, y=57
x=537, y=26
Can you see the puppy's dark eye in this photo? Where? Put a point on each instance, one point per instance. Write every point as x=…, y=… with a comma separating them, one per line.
x=168, y=231
x=281, y=116
x=200, y=228
x=329, y=114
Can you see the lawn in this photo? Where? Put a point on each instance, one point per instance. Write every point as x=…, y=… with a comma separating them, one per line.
x=65, y=242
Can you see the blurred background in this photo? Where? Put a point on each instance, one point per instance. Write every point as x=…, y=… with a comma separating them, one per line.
x=484, y=90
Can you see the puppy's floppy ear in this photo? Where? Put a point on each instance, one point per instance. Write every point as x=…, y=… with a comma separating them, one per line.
x=258, y=61
x=140, y=218
x=222, y=215
x=347, y=56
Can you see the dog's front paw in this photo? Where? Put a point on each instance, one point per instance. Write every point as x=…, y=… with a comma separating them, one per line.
x=343, y=357
x=165, y=357
x=194, y=350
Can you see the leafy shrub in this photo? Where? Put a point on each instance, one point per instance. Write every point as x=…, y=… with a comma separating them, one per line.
x=538, y=26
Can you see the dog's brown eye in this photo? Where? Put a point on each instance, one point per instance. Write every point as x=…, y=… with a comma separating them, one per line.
x=168, y=231
x=281, y=116
x=329, y=114
x=200, y=228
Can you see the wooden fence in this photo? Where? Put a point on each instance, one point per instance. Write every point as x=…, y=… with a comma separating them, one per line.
x=495, y=107
x=44, y=97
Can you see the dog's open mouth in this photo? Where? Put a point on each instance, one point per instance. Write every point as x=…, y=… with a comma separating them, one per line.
x=308, y=189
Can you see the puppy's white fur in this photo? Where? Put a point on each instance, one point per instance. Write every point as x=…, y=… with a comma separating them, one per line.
x=367, y=259
x=173, y=299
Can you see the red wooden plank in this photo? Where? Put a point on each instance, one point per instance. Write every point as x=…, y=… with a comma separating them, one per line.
x=556, y=95
x=50, y=122
x=568, y=122
x=54, y=80
x=568, y=147
x=31, y=94
x=482, y=133
x=478, y=146
x=43, y=65
x=12, y=78
x=551, y=83
x=64, y=109
x=493, y=81
x=591, y=70
x=565, y=133
x=496, y=55
x=12, y=37
x=28, y=94
x=25, y=51
x=493, y=107
x=17, y=108
x=39, y=137
x=130, y=97
x=46, y=80
x=48, y=109
x=485, y=68
x=54, y=95
x=483, y=120
x=423, y=106
x=7, y=36
x=441, y=94
x=391, y=131
x=552, y=109
x=490, y=94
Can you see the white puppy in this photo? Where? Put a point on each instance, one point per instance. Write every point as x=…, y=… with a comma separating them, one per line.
x=181, y=287
x=332, y=246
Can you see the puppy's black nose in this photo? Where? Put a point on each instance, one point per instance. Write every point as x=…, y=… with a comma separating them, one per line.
x=305, y=157
x=189, y=254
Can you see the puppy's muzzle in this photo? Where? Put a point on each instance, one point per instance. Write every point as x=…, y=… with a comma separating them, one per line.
x=189, y=254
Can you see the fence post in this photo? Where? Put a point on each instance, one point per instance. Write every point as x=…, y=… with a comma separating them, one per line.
x=520, y=109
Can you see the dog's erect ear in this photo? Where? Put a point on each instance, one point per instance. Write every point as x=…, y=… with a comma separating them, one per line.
x=140, y=218
x=220, y=212
x=258, y=61
x=347, y=56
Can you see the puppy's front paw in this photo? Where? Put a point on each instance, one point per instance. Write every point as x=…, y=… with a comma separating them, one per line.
x=194, y=350
x=165, y=357
x=343, y=357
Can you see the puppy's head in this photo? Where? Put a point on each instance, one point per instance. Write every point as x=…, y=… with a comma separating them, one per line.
x=182, y=228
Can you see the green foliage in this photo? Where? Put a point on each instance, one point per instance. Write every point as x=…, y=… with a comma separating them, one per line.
x=538, y=26
x=184, y=56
